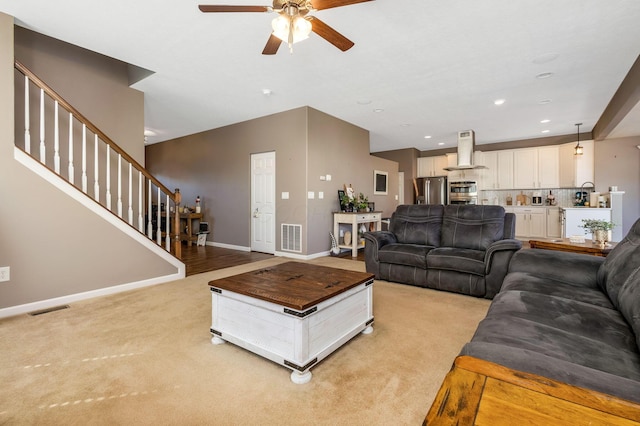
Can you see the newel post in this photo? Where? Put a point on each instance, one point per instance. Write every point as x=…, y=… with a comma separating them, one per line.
x=176, y=225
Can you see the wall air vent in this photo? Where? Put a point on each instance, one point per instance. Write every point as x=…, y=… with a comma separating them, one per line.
x=291, y=237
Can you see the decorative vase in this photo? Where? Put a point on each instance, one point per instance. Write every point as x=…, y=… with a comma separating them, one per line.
x=600, y=236
x=347, y=238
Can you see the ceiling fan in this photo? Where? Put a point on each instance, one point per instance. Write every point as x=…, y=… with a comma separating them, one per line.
x=293, y=23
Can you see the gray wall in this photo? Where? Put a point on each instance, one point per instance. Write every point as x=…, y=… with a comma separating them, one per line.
x=308, y=143
x=617, y=163
x=55, y=246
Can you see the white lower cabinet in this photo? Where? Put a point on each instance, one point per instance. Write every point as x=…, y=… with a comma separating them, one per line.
x=531, y=222
x=554, y=222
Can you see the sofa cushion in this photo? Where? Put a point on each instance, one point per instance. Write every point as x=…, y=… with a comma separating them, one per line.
x=526, y=281
x=472, y=227
x=457, y=259
x=417, y=224
x=585, y=319
x=619, y=264
x=405, y=254
x=629, y=299
x=576, y=348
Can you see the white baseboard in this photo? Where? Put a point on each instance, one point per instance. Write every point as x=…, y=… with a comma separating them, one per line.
x=228, y=246
x=64, y=300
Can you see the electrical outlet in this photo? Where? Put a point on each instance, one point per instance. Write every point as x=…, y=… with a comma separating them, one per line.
x=4, y=273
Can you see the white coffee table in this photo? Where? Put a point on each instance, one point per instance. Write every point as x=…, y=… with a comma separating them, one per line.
x=294, y=314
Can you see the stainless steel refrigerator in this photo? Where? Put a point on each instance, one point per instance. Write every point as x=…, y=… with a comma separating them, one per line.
x=432, y=190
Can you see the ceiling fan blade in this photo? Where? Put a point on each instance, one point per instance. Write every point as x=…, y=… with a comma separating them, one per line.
x=329, y=34
x=327, y=4
x=227, y=8
x=272, y=45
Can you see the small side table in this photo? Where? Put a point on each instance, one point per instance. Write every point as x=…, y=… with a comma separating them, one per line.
x=354, y=219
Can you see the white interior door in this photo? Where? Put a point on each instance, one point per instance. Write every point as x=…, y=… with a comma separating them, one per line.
x=263, y=202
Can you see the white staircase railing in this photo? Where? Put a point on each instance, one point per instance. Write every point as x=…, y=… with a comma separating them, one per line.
x=150, y=207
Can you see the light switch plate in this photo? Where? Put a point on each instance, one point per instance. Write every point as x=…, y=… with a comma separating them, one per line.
x=311, y=195
x=5, y=273
x=321, y=195
x=285, y=195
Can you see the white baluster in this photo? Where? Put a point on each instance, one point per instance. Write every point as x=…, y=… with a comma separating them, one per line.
x=43, y=149
x=159, y=222
x=108, y=177
x=120, y=185
x=149, y=214
x=84, y=158
x=71, y=169
x=27, y=124
x=168, y=219
x=130, y=211
x=96, y=182
x=56, y=141
x=140, y=202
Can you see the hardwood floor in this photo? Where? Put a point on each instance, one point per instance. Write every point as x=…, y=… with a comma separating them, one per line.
x=200, y=259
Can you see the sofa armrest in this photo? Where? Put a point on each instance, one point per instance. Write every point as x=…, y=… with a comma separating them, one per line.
x=374, y=241
x=572, y=268
x=496, y=264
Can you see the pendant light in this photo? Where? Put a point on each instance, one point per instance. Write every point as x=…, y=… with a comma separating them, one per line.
x=578, y=150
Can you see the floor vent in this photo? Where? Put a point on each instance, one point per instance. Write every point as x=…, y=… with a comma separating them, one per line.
x=291, y=237
x=46, y=311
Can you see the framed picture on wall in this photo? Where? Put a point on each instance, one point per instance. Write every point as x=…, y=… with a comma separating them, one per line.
x=380, y=182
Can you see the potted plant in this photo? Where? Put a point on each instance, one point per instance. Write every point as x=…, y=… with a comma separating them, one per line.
x=362, y=203
x=598, y=228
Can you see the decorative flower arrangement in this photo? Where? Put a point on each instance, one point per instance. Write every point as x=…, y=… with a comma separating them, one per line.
x=599, y=229
x=593, y=225
x=359, y=202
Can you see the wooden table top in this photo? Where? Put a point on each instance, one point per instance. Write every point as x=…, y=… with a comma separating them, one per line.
x=564, y=244
x=296, y=285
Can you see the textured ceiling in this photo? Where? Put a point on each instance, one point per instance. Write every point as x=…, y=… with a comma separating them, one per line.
x=432, y=67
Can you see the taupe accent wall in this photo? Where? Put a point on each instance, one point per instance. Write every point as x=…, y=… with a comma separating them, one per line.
x=307, y=144
x=54, y=246
x=617, y=163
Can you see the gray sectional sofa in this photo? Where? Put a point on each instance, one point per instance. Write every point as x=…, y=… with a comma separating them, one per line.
x=459, y=248
x=570, y=317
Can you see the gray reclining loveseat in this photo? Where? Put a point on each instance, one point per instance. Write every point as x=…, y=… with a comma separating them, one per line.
x=459, y=248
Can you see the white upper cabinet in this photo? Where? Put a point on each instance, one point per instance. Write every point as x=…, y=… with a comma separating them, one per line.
x=499, y=171
x=536, y=167
x=576, y=169
x=432, y=166
x=548, y=166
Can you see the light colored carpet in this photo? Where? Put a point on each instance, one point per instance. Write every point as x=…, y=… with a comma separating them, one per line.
x=145, y=357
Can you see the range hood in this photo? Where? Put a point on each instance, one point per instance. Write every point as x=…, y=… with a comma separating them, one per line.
x=466, y=146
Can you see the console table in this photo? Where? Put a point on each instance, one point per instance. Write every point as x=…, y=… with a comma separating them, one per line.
x=355, y=220
x=187, y=226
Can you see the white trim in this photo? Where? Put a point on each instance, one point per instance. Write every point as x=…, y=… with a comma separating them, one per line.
x=98, y=209
x=229, y=246
x=63, y=300
x=301, y=256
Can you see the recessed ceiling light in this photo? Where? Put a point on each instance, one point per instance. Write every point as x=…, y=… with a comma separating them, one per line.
x=267, y=92
x=427, y=137
x=544, y=75
x=545, y=101
x=498, y=101
x=440, y=143
x=364, y=101
x=546, y=120
x=148, y=132
x=544, y=58
x=405, y=125
x=545, y=131
x=377, y=110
